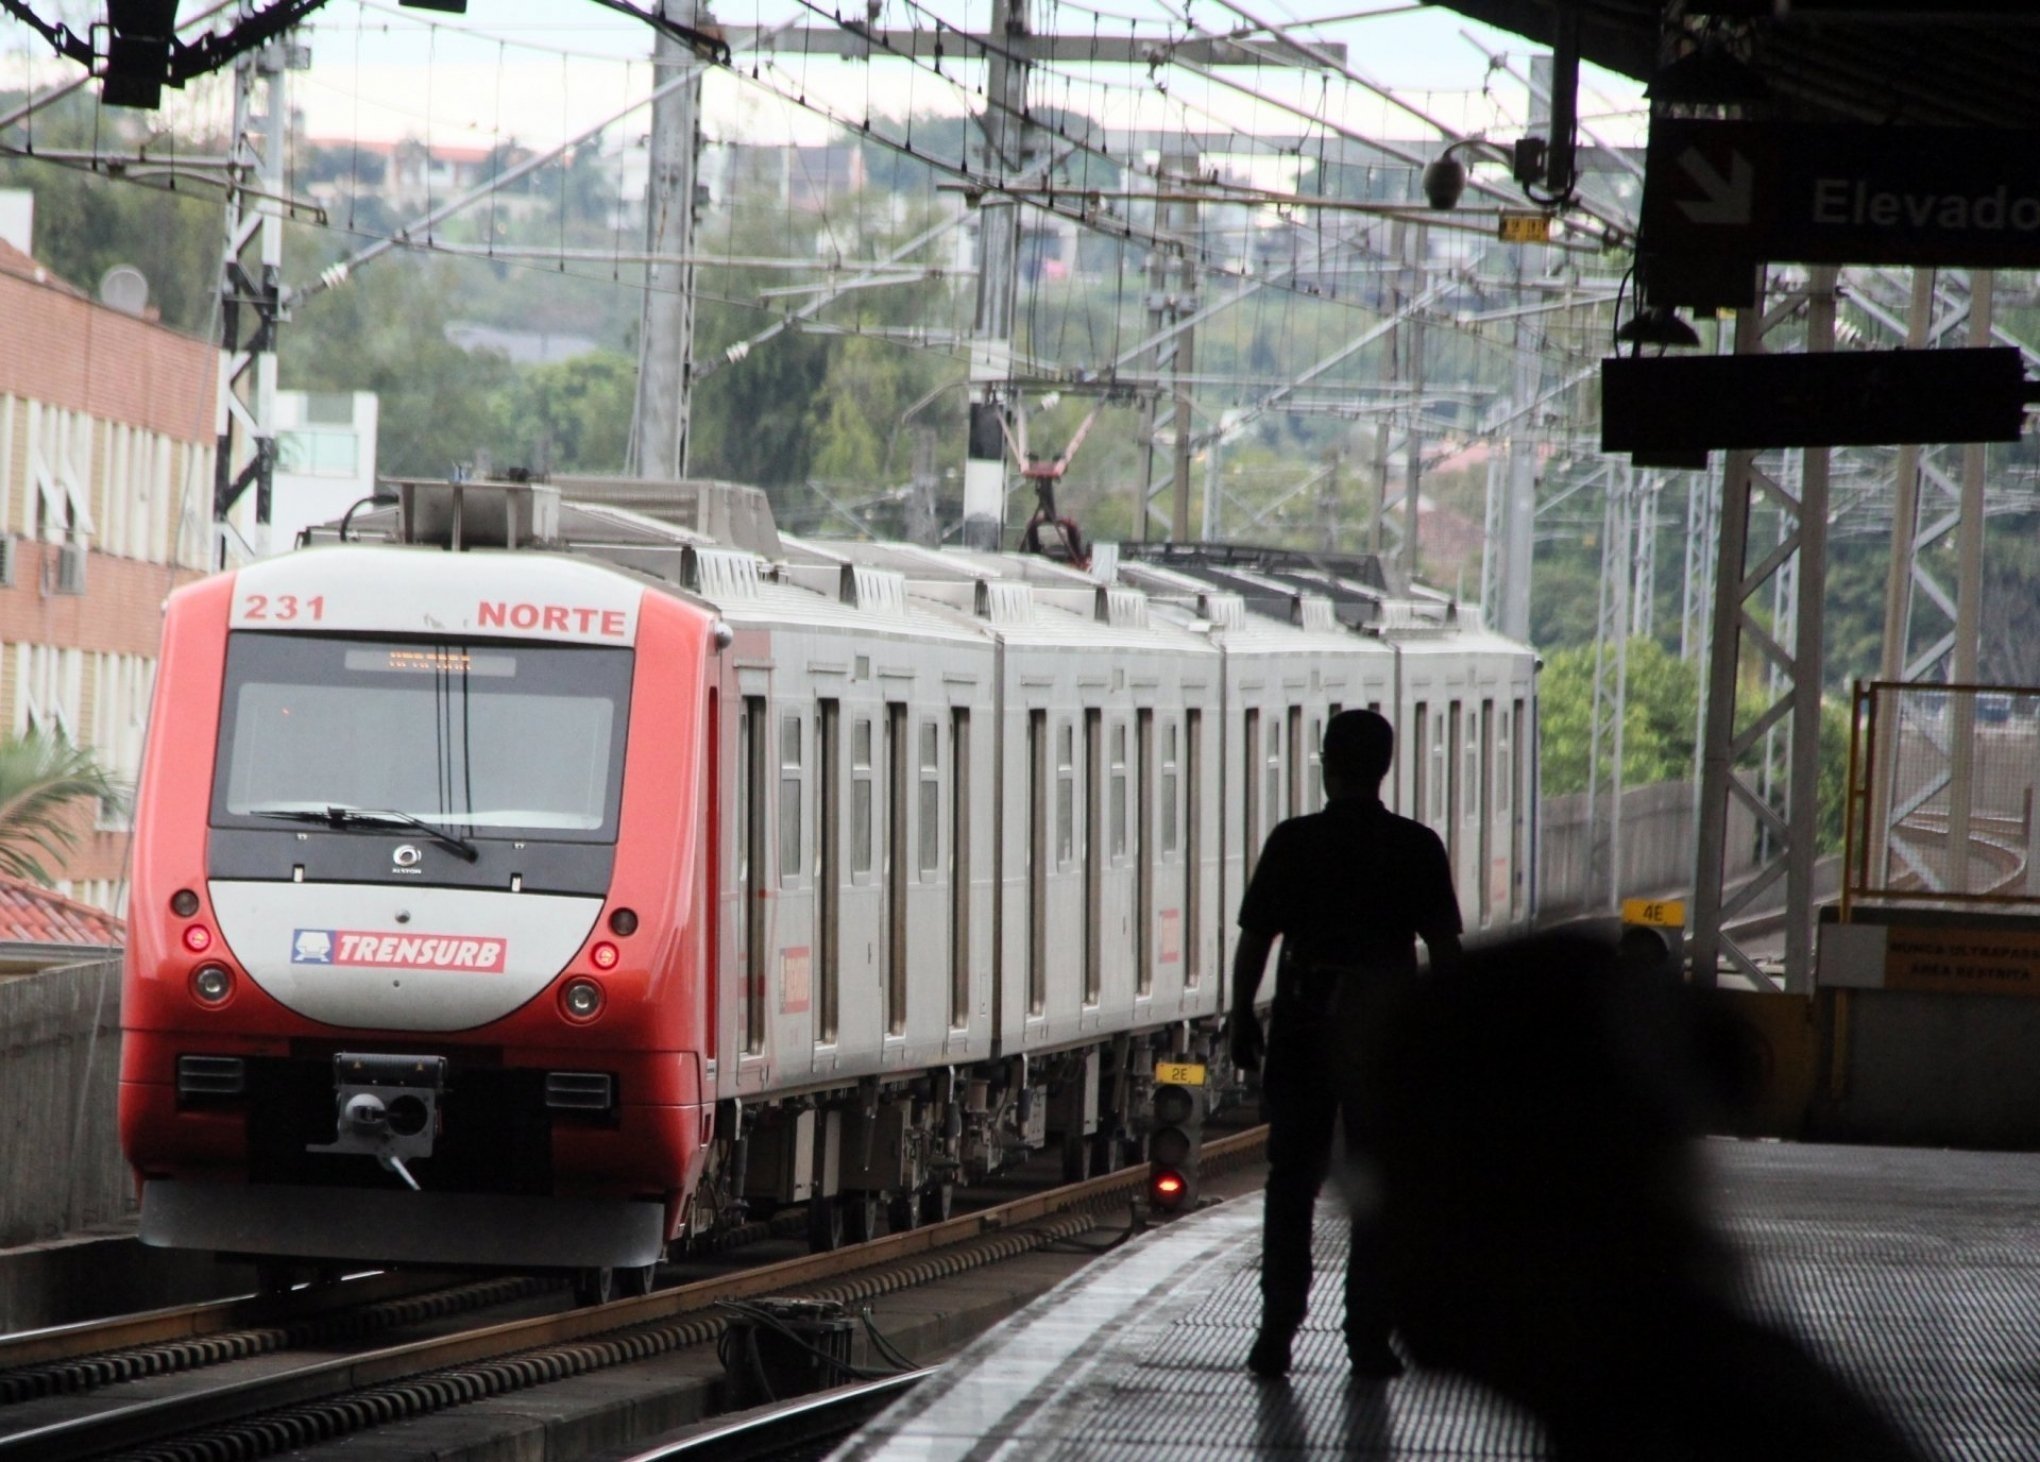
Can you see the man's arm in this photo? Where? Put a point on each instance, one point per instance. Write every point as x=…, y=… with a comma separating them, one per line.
x=1439, y=928
x=1250, y=959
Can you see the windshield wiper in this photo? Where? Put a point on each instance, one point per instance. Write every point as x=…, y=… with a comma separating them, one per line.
x=338, y=816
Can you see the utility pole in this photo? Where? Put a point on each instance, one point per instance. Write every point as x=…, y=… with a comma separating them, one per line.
x=1391, y=377
x=251, y=277
x=1519, y=487
x=1417, y=240
x=1171, y=297
x=1007, y=150
x=660, y=434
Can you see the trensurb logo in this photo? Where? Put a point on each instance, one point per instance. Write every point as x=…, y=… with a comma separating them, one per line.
x=375, y=949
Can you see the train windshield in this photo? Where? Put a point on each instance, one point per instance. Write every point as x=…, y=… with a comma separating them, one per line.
x=493, y=739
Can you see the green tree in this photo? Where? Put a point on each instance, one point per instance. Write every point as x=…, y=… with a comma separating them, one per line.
x=384, y=330
x=1657, y=722
x=570, y=416
x=44, y=781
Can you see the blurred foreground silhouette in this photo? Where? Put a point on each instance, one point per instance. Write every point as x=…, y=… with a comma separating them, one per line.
x=1532, y=1122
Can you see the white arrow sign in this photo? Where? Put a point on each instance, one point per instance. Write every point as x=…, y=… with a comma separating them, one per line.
x=1728, y=199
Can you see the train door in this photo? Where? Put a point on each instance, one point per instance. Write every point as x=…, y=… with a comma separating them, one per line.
x=894, y=866
x=1293, y=754
x=1094, y=855
x=1519, y=810
x=828, y=845
x=1143, y=853
x=795, y=963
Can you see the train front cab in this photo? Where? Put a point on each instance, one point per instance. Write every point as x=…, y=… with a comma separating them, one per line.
x=538, y=1002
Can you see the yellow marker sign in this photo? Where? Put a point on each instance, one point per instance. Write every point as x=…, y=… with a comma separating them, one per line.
x=1658, y=913
x=1525, y=228
x=1179, y=1073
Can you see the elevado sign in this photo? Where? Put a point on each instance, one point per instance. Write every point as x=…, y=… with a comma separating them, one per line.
x=1843, y=194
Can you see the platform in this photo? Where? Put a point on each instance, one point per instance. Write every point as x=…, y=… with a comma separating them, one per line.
x=1913, y=1273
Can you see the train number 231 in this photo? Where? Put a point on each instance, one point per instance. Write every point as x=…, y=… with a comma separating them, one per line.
x=283, y=607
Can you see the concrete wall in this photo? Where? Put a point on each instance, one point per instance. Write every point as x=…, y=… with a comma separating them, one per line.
x=59, y=1078
x=1659, y=834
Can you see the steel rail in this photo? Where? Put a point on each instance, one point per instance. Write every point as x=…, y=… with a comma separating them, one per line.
x=799, y=1423
x=208, y=1317
x=151, y=1421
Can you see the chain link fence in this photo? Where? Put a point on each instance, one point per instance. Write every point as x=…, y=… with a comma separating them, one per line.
x=1941, y=797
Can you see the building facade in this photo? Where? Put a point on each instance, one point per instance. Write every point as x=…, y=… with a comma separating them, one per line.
x=106, y=481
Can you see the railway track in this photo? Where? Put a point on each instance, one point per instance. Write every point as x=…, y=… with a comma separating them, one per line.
x=301, y=1405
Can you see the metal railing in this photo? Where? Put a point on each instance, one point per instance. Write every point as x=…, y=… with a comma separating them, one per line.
x=1940, y=797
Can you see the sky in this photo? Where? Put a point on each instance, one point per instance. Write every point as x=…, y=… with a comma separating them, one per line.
x=540, y=71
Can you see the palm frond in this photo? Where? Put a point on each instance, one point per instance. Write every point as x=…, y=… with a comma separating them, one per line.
x=42, y=780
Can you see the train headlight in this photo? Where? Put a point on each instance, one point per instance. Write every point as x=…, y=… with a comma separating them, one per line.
x=212, y=984
x=623, y=923
x=604, y=956
x=581, y=999
x=184, y=903
x=198, y=939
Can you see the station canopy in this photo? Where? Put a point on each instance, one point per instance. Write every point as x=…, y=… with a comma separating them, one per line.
x=1945, y=63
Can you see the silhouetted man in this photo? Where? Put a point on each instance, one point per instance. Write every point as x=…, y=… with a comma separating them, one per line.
x=1349, y=890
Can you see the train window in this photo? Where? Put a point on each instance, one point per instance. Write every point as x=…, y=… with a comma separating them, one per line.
x=1519, y=781
x=1420, y=762
x=860, y=797
x=1317, y=763
x=752, y=731
x=828, y=843
x=1037, y=861
x=931, y=800
x=894, y=866
x=1168, y=820
x=1271, y=806
x=1094, y=856
x=959, y=867
x=1118, y=792
x=1295, y=755
x=1487, y=807
x=1452, y=779
x=1065, y=796
x=1143, y=853
x=1193, y=844
x=791, y=813
x=1250, y=739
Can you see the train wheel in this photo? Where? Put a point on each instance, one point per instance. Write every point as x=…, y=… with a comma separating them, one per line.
x=936, y=1202
x=824, y=1225
x=1076, y=1157
x=636, y=1280
x=594, y=1286
x=860, y=1217
x=902, y=1213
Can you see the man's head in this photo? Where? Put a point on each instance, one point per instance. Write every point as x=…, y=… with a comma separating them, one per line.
x=1358, y=747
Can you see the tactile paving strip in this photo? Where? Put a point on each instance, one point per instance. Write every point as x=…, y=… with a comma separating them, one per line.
x=1915, y=1274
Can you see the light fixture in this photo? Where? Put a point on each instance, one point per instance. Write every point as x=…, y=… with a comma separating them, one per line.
x=1657, y=325
x=1445, y=177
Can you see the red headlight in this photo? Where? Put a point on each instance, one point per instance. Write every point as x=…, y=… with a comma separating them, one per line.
x=604, y=955
x=198, y=938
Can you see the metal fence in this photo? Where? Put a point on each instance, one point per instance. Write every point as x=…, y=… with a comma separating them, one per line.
x=1940, y=797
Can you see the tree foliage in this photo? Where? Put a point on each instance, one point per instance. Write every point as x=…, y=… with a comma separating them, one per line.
x=1657, y=724
x=44, y=781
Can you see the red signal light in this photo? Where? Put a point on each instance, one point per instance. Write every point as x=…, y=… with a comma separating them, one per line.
x=198, y=939
x=1166, y=1189
x=604, y=955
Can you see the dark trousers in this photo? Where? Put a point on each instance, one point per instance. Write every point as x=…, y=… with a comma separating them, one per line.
x=1303, y=1092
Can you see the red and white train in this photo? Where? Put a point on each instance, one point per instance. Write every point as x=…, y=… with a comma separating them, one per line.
x=544, y=903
